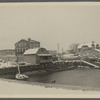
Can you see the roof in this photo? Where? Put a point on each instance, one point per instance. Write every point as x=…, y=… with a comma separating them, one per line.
x=85, y=44
x=26, y=41
x=20, y=41
x=10, y=56
x=97, y=50
x=70, y=56
x=31, y=51
x=34, y=41
x=35, y=51
x=7, y=50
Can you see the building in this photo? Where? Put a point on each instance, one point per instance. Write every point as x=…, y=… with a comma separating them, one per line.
x=23, y=45
x=89, y=50
x=37, y=56
x=7, y=55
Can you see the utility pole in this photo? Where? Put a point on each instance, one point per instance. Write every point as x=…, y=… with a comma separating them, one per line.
x=58, y=48
x=62, y=50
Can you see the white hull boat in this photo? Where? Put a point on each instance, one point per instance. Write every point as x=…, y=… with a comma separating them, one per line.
x=21, y=76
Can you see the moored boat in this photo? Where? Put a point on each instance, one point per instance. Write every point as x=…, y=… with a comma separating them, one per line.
x=21, y=76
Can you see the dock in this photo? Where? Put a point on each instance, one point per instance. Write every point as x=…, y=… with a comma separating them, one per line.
x=49, y=67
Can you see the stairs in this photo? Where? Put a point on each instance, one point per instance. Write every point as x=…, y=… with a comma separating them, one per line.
x=91, y=64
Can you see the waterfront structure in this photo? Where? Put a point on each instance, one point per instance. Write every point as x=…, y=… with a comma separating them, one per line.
x=7, y=55
x=22, y=45
x=37, y=56
x=89, y=50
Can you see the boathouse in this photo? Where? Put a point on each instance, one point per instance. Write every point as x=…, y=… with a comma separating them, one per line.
x=37, y=56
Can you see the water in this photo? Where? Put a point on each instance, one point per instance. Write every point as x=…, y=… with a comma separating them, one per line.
x=88, y=77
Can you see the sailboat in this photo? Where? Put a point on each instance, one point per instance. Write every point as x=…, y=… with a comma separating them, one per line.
x=20, y=76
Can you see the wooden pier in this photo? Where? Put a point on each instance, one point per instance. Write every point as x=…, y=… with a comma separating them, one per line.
x=56, y=66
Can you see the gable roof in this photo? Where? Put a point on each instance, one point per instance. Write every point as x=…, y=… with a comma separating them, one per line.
x=26, y=41
x=31, y=51
x=20, y=41
x=34, y=41
x=36, y=51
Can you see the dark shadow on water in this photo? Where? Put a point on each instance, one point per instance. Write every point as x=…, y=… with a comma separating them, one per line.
x=77, y=77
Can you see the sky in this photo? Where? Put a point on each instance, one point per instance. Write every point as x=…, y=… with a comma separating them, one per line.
x=49, y=23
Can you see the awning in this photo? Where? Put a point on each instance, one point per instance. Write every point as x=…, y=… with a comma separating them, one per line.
x=44, y=54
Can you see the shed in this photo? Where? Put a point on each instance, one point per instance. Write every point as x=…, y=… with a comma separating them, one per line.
x=36, y=56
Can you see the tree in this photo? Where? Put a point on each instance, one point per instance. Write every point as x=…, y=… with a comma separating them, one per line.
x=73, y=48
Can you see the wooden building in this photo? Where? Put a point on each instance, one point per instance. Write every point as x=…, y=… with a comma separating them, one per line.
x=37, y=56
x=22, y=45
x=7, y=55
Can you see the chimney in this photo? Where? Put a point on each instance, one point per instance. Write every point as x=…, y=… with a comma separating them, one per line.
x=93, y=44
x=29, y=42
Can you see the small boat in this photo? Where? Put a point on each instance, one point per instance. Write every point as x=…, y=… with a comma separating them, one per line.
x=21, y=76
x=53, y=81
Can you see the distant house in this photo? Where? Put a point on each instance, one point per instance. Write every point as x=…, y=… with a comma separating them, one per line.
x=89, y=50
x=7, y=55
x=37, y=56
x=23, y=45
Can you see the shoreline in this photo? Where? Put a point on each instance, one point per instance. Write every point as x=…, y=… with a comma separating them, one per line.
x=52, y=85
x=20, y=89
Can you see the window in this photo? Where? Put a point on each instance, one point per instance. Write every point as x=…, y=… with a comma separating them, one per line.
x=22, y=44
x=19, y=44
x=17, y=50
x=22, y=50
x=11, y=53
x=42, y=50
x=25, y=44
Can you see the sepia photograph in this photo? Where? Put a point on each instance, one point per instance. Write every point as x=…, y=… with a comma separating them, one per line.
x=50, y=50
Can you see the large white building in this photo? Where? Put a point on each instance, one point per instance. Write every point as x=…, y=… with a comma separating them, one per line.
x=89, y=49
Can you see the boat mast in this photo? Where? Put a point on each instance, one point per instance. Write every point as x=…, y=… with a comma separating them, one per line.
x=58, y=48
x=18, y=65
